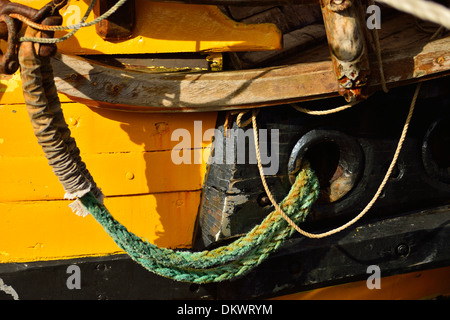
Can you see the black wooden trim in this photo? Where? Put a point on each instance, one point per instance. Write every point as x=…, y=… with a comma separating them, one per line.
x=301, y=264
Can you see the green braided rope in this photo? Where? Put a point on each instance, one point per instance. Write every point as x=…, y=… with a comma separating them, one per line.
x=223, y=263
x=206, y=259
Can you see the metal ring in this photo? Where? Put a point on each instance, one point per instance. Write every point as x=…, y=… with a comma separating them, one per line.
x=346, y=166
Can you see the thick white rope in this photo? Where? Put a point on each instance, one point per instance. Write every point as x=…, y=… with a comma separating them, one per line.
x=425, y=10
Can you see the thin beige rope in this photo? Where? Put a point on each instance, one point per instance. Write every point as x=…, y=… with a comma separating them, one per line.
x=438, y=33
x=376, y=40
x=347, y=106
x=378, y=51
x=246, y=122
x=324, y=112
x=369, y=205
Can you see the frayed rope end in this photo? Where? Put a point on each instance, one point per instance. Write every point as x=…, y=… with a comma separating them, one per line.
x=77, y=206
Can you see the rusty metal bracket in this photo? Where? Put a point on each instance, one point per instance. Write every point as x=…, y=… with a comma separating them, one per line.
x=348, y=46
x=120, y=25
x=9, y=27
x=9, y=63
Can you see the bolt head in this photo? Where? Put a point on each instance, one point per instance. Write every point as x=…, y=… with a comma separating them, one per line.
x=402, y=250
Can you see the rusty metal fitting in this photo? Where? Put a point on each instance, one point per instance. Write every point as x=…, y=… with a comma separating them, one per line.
x=348, y=47
x=48, y=50
x=9, y=28
x=339, y=5
x=8, y=31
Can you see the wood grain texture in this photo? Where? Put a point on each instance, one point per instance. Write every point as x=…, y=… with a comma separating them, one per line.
x=405, y=60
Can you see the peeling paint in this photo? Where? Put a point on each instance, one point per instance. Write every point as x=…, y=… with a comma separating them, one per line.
x=8, y=290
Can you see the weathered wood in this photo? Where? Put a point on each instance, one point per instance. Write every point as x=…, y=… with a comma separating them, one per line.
x=273, y=15
x=118, y=26
x=302, y=15
x=98, y=85
x=240, y=13
x=349, y=152
x=292, y=20
x=102, y=86
x=293, y=42
x=348, y=47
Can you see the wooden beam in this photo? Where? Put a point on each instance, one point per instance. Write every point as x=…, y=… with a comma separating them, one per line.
x=98, y=85
x=348, y=46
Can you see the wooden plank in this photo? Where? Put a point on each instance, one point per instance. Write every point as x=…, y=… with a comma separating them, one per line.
x=137, y=91
x=273, y=15
x=31, y=178
x=100, y=131
x=239, y=13
x=346, y=33
x=293, y=42
x=48, y=230
x=114, y=145
x=198, y=28
x=94, y=84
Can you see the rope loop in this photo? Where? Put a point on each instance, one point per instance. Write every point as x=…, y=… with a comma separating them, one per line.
x=246, y=122
x=368, y=206
x=223, y=263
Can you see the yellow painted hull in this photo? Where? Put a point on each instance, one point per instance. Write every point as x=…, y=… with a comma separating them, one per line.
x=421, y=285
x=129, y=154
x=164, y=28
